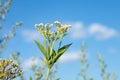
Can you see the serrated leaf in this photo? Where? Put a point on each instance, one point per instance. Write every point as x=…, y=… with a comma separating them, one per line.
x=60, y=52
x=42, y=49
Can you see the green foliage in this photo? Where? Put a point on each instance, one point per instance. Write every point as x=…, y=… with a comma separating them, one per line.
x=57, y=79
x=43, y=50
x=59, y=53
x=30, y=78
x=49, y=38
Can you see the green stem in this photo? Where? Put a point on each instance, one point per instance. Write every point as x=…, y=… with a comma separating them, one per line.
x=45, y=42
x=48, y=73
x=46, y=45
x=52, y=44
x=60, y=43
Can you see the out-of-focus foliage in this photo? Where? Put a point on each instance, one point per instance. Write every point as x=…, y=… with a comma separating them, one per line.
x=105, y=76
x=4, y=8
x=84, y=64
x=113, y=76
x=38, y=70
x=103, y=66
x=53, y=72
x=5, y=39
x=9, y=70
x=15, y=58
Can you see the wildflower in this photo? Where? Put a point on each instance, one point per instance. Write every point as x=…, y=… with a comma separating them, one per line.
x=49, y=26
x=49, y=38
x=58, y=24
x=9, y=70
x=39, y=26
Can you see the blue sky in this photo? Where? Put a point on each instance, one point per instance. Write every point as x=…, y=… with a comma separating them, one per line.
x=95, y=22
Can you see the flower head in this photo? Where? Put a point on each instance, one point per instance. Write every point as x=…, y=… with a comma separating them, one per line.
x=9, y=70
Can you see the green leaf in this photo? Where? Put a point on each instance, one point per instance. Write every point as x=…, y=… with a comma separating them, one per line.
x=64, y=48
x=60, y=52
x=52, y=55
x=57, y=79
x=30, y=78
x=42, y=49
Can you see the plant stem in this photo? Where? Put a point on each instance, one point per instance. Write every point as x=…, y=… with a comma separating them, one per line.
x=52, y=44
x=48, y=73
x=60, y=43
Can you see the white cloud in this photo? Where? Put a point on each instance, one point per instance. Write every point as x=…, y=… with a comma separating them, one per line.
x=65, y=58
x=78, y=30
x=31, y=35
x=102, y=32
x=27, y=64
x=98, y=31
x=70, y=57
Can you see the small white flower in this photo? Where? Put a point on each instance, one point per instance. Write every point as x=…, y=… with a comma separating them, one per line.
x=36, y=25
x=49, y=25
x=56, y=22
x=41, y=24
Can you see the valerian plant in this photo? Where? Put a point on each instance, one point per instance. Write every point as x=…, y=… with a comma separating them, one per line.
x=50, y=38
x=9, y=70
